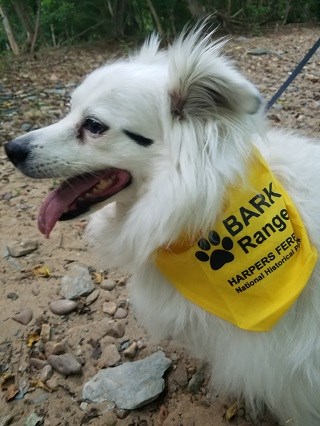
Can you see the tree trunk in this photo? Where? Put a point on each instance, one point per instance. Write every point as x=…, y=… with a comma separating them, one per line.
x=7, y=27
x=155, y=17
x=36, y=27
x=229, y=9
x=53, y=36
x=119, y=13
x=286, y=12
x=25, y=20
x=173, y=26
x=195, y=8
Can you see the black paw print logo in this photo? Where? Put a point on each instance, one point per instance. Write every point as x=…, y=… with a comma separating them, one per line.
x=219, y=257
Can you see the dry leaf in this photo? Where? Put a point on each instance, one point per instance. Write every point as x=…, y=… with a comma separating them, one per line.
x=32, y=338
x=39, y=384
x=8, y=386
x=11, y=392
x=41, y=271
x=6, y=380
x=232, y=411
x=97, y=277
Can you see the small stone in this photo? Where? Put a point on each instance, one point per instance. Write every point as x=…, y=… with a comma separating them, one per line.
x=123, y=303
x=39, y=364
x=122, y=413
x=174, y=356
x=45, y=332
x=22, y=248
x=180, y=375
x=124, y=343
x=38, y=396
x=54, y=348
x=83, y=406
x=196, y=380
x=122, y=281
x=109, y=308
x=108, y=284
x=52, y=383
x=58, y=91
x=259, y=51
x=65, y=364
x=63, y=307
x=79, y=352
x=23, y=317
x=77, y=283
x=141, y=344
x=242, y=39
x=109, y=418
x=12, y=296
x=106, y=341
x=121, y=313
x=26, y=127
x=131, y=351
x=33, y=420
x=93, y=413
x=241, y=412
x=116, y=330
x=277, y=106
x=92, y=297
x=46, y=373
x=109, y=357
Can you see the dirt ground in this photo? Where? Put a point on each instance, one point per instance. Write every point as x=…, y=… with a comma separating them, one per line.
x=35, y=92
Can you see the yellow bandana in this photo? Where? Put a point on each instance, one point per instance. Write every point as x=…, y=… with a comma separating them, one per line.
x=253, y=263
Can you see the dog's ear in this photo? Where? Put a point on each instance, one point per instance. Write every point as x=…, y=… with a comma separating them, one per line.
x=202, y=80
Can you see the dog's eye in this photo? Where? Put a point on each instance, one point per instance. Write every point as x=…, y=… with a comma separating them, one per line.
x=93, y=126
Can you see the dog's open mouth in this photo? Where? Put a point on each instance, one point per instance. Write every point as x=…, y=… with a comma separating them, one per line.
x=74, y=196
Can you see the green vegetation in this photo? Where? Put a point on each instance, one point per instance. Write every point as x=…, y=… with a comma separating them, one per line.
x=26, y=25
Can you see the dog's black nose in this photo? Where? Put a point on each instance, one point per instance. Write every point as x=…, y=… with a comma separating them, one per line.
x=18, y=150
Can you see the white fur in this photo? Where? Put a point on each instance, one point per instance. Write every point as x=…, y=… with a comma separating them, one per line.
x=204, y=118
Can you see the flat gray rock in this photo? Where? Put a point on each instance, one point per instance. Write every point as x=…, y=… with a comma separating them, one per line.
x=130, y=385
x=259, y=51
x=33, y=419
x=77, y=283
x=23, y=317
x=22, y=248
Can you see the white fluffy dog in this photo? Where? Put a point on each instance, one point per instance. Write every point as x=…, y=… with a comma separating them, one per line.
x=162, y=137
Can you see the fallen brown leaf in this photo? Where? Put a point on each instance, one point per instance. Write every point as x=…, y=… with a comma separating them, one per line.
x=97, y=277
x=11, y=392
x=6, y=380
x=39, y=384
x=232, y=411
x=32, y=338
x=41, y=271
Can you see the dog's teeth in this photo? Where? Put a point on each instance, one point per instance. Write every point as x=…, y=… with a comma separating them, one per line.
x=103, y=184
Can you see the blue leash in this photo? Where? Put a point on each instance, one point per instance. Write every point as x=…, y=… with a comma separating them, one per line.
x=294, y=74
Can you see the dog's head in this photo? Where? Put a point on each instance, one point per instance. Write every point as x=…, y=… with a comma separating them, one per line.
x=120, y=127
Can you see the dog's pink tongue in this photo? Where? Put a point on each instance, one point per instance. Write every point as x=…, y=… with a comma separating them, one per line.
x=60, y=199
